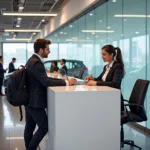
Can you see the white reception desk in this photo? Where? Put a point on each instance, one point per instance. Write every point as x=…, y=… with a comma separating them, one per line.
x=83, y=118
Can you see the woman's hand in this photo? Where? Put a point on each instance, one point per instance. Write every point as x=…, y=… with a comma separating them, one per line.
x=92, y=83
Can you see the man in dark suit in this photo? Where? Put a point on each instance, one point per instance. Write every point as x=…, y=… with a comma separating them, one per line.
x=2, y=71
x=62, y=62
x=38, y=81
x=11, y=67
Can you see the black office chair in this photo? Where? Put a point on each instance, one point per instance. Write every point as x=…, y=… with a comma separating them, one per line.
x=137, y=111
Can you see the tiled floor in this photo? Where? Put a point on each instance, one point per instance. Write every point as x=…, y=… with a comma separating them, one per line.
x=11, y=130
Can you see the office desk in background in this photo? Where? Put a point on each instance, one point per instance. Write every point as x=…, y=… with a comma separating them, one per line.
x=83, y=118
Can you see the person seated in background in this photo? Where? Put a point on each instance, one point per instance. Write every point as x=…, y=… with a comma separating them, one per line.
x=63, y=66
x=54, y=68
x=11, y=67
x=113, y=72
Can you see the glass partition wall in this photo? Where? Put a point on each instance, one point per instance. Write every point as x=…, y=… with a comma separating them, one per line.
x=122, y=23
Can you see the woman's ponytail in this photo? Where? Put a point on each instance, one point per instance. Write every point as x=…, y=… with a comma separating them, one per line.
x=119, y=57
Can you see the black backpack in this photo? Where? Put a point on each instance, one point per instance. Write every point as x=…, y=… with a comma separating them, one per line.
x=16, y=89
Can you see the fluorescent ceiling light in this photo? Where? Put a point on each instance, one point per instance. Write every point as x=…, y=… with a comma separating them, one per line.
x=76, y=40
x=18, y=39
x=102, y=31
x=132, y=16
x=21, y=30
x=14, y=138
x=28, y=14
x=19, y=18
x=21, y=7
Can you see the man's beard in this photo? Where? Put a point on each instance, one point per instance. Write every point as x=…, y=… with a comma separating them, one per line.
x=44, y=55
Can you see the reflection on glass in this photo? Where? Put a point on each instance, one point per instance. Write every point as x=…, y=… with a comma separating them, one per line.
x=130, y=34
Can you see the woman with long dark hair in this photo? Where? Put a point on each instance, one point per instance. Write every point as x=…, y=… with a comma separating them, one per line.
x=113, y=72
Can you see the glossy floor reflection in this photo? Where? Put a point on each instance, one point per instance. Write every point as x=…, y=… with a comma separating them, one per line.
x=11, y=130
x=140, y=139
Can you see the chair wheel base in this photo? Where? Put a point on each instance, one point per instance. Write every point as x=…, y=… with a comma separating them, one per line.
x=130, y=143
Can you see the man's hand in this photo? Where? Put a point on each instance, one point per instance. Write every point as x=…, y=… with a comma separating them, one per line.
x=72, y=81
x=89, y=78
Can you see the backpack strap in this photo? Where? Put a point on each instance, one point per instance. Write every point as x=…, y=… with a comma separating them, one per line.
x=21, y=116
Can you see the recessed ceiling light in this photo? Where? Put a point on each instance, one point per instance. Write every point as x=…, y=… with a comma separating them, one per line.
x=100, y=21
x=61, y=32
x=131, y=16
x=91, y=14
x=19, y=18
x=137, y=32
x=43, y=20
x=71, y=26
x=108, y=27
x=113, y=1
x=21, y=7
x=34, y=33
x=18, y=26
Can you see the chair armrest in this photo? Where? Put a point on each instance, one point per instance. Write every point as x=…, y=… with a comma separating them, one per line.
x=134, y=105
x=126, y=100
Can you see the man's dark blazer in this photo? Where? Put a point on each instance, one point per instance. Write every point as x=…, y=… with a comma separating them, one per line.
x=11, y=67
x=38, y=81
x=65, y=68
x=113, y=79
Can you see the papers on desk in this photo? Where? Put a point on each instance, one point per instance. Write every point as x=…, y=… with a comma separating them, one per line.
x=81, y=82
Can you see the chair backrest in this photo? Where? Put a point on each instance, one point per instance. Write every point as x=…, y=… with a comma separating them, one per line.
x=138, y=95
